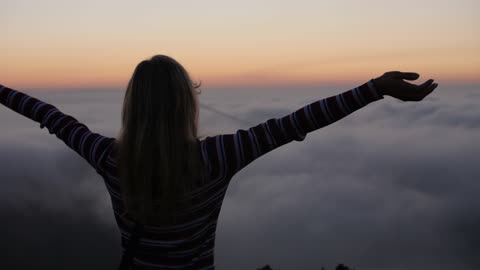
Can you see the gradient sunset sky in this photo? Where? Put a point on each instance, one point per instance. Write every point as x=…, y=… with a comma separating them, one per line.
x=97, y=44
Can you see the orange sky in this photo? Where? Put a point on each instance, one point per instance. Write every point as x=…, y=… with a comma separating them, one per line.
x=73, y=44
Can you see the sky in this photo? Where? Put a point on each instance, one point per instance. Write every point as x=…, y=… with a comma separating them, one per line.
x=392, y=186
x=58, y=44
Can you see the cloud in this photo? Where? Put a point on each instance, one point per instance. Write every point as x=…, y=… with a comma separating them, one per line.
x=392, y=186
x=50, y=207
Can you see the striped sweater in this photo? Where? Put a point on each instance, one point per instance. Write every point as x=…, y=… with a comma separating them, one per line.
x=190, y=244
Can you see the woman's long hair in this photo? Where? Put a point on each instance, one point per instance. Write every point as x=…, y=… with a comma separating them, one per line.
x=159, y=155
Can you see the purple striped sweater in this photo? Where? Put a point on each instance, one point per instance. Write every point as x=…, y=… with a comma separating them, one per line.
x=189, y=245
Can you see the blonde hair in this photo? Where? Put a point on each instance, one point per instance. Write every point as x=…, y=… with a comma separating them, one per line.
x=159, y=154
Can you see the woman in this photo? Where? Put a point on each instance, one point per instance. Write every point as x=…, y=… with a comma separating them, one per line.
x=161, y=177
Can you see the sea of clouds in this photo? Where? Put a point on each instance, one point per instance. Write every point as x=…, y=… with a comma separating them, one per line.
x=395, y=185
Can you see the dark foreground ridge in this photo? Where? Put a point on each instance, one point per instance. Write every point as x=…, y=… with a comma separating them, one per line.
x=339, y=267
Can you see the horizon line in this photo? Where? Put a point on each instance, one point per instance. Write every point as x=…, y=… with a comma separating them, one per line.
x=246, y=86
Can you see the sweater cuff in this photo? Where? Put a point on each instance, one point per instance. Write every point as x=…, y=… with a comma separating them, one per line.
x=376, y=92
x=365, y=94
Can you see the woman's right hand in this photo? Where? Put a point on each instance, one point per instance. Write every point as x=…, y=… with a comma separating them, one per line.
x=392, y=83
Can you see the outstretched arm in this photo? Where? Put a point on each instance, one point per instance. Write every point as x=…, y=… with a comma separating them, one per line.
x=229, y=153
x=91, y=146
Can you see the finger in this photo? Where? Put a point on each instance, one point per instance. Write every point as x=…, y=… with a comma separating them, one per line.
x=409, y=76
x=395, y=74
x=425, y=92
x=430, y=89
x=426, y=84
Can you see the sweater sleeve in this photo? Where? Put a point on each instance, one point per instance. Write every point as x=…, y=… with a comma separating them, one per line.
x=91, y=146
x=229, y=153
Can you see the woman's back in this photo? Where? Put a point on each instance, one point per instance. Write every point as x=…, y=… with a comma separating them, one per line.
x=190, y=243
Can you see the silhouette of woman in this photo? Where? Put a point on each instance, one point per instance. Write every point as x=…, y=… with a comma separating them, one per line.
x=166, y=185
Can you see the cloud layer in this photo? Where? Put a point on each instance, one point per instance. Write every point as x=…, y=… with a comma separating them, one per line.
x=392, y=186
